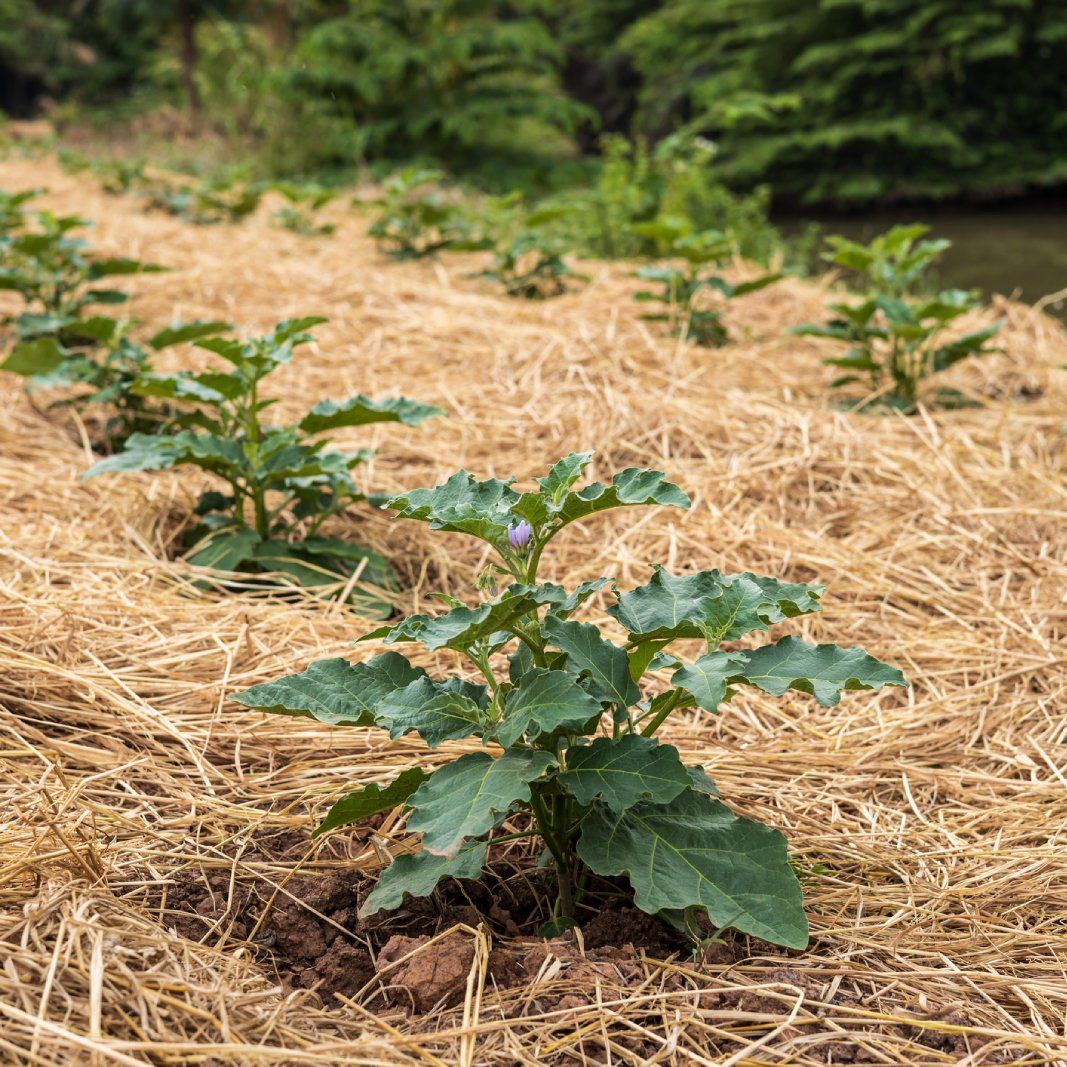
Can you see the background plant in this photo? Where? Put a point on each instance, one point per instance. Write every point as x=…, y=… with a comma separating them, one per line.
x=681, y=287
x=527, y=257
x=56, y=273
x=416, y=218
x=284, y=481
x=205, y=202
x=102, y=364
x=639, y=184
x=895, y=335
x=304, y=203
x=570, y=759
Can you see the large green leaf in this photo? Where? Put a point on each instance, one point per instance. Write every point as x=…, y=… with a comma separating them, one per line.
x=361, y=410
x=606, y=664
x=634, y=485
x=372, y=799
x=462, y=626
x=462, y=505
x=436, y=714
x=545, y=701
x=186, y=331
x=34, y=358
x=707, y=680
x=335, y=691
x=464, y=799
x=225, y=550
x=824, y=671
x=709, y=604
x=147, y=452
x=417, y=875
x=484, y=509
x=624, y=772
x=694, y=852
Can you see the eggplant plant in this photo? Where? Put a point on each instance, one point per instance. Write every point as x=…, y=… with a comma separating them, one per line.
x=680, y=287
x=416, y=220
x=895, y=336
x=57, y=275
x=102, y=365
x=567, y=716
x=299, y=214
x=527, y=259
x=283, y=482
x=13, y=209
x=204, y=203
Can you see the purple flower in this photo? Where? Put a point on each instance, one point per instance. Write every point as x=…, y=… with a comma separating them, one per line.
x=519, y=535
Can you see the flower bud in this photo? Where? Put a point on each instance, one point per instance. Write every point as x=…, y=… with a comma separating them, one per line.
x=519, y=535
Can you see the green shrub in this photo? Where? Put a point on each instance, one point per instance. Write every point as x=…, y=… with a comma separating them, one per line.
x=637, y=185
x=570, y=760
x=854, y=100
x=456, y=81
x=283, y=481
x=895, y=338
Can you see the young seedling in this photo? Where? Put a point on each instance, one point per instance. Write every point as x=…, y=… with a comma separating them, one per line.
x=681, y=286
x=204, y=203
x=527, y=261
x=283, y=481
x=569, y=756
x=57, y=276
x=416, y=221
x=895, y=337
x=299, y=216
x=103, y=369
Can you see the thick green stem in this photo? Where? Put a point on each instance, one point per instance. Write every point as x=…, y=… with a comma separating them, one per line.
x=549, y=830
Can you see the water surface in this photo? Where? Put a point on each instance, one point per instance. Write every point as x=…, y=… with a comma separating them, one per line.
x=1017, y=250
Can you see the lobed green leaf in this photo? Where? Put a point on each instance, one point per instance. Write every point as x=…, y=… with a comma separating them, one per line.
x=694, y=852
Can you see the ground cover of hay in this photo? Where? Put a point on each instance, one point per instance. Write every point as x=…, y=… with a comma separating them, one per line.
x=939, y=813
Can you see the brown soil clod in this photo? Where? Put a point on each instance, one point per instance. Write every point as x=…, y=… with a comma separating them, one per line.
x=429, y=973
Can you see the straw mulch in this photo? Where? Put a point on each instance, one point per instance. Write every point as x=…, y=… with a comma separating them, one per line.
x=936, y=817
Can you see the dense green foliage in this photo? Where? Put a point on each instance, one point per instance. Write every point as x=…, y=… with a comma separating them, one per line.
x=570, y=756
x=283, y=480
x=825, y=100
x=848, y=100
x=895, y=330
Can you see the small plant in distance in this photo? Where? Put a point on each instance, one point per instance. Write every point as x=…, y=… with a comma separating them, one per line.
x=416, y=220
x=304, y=201
x=569, y=758
x=204, y=203
x=283, y=481
x=895, y=337
x=681, y=286
x=527, y=260
x=57, y=275
x=104, y=366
